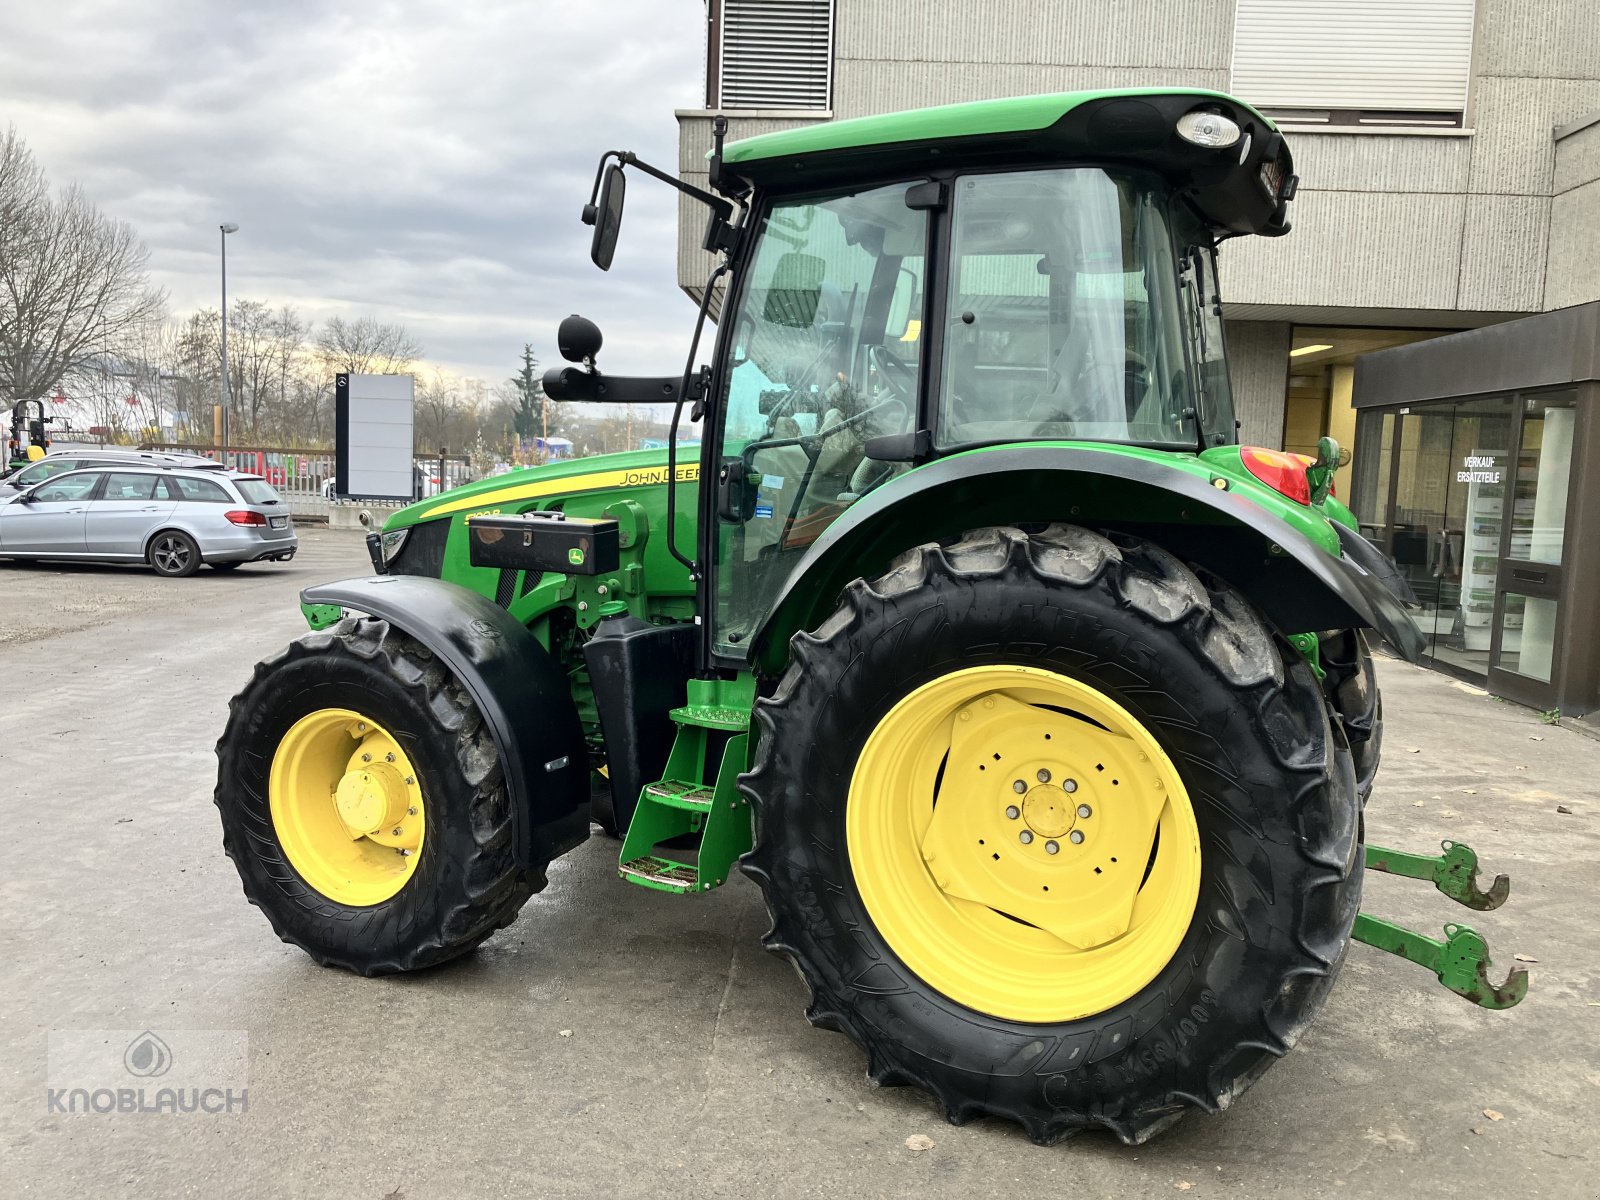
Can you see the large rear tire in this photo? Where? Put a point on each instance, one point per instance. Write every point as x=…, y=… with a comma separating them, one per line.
x=1352, y=689
x=913, y=901
x=364, y=804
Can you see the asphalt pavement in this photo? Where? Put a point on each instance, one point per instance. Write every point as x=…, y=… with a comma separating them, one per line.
x=618, y=1042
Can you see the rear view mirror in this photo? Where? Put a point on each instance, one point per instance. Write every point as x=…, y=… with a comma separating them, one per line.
x=608, y=217
x=795, y=291
x=898, y=322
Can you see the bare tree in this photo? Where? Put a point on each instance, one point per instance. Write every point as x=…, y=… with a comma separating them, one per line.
x=73, y=282
x=438, y=406
x=366, y=346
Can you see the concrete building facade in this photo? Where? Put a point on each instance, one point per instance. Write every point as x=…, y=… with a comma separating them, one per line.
x=1448, y=150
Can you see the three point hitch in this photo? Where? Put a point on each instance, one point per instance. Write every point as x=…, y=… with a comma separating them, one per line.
x=1461, y=961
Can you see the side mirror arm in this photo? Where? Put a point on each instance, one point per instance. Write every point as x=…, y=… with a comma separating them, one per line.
x=722, y=208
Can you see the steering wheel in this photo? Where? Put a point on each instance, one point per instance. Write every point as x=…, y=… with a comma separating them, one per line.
x=899, y=376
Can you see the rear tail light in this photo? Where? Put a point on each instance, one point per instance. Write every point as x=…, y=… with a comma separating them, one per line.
x=243, y=516
x=1333, y=487
x=1283, y=473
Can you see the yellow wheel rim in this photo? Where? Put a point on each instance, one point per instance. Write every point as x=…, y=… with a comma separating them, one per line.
x=1023, y=843
x=347, y=806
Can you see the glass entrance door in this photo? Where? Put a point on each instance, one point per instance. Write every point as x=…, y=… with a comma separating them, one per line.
x=1528, y=578
x=1447, y=523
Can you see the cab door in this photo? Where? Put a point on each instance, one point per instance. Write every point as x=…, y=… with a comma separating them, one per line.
x=126, y=511
x=49, y=519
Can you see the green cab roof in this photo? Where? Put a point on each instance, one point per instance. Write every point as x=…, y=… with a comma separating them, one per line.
x=976, y=118
x=1239, y=188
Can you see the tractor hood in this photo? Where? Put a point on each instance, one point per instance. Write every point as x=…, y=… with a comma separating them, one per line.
x=523, y=489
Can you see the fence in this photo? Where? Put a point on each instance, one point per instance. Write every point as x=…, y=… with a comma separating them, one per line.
x=305, y=477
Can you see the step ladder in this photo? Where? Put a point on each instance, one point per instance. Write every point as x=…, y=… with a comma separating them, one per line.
x=691, y=825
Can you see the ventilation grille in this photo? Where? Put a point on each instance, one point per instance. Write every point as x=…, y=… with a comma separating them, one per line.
x=776, y=53
x=1343, y=62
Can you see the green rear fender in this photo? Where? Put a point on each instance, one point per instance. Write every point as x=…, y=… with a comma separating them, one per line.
x=1286, y=557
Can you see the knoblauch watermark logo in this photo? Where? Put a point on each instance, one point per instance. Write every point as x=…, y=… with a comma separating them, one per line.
x=148, y=1072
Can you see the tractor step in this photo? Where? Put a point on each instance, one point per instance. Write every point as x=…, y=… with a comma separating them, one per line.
x=661, y=873
x=1461, y=962
x=676, y=793
x=698, y=801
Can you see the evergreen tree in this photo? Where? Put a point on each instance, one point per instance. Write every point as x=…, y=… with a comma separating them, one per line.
x=525, y=421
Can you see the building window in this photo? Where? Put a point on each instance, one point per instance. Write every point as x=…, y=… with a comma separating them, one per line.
x=773, y=54
x=1350, y=63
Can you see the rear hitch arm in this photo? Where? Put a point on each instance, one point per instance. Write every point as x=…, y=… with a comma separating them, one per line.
x=1461, y=961
x=1455, y=873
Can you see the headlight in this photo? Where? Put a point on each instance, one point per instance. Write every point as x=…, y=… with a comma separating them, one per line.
x=1209, y=129
x=392, y=541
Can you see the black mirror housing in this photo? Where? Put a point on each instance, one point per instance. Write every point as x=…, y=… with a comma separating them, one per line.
x=607, y=216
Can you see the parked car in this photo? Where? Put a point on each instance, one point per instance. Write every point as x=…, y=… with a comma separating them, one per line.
x=60, y=462
x=174, y=518
x=424, y=484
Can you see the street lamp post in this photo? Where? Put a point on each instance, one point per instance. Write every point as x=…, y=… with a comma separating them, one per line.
x=227, y=228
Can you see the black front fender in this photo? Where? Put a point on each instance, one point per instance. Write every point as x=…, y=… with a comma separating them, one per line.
x=519, y=689
x=1298, y=584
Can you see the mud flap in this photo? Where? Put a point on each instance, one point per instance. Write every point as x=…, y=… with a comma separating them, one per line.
x=515, y=684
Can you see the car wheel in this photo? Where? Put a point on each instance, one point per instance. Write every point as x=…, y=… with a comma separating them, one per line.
x=174, y=553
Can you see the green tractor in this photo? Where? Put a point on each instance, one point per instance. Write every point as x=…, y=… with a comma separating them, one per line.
x=29, y=440
x=1040, y=710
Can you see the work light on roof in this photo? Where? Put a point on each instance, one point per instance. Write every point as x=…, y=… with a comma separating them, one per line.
x=1206, y=128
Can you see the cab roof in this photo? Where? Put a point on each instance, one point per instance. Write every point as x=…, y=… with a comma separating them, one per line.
x=1135, y=127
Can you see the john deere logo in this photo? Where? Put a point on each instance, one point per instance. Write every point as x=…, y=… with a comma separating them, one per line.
x=147, y=1056
x=575, y=557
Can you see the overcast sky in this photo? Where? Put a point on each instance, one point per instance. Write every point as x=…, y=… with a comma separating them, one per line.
x=422, y=160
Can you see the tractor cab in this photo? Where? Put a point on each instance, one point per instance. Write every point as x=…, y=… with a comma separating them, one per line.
x=909, y=287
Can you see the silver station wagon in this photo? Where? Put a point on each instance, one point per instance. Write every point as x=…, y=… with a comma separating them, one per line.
x=175, y=519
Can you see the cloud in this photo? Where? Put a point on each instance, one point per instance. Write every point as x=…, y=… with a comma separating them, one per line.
x=421, y=160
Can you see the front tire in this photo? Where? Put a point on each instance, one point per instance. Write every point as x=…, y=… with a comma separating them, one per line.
x=364, y=804
x=1115, y=650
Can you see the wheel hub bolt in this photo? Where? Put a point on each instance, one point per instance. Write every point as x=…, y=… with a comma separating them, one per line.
x=1019, y=787
x=1069, y=785
x=366, y=758
x=1026, y=836
x=1077, y=837
x=388, y=758
x=1052, y=847
x=1085, y=811
x=1044, y=775
x=411, y=780
x=1013, y=811
x=412, y=811
x=395, y=831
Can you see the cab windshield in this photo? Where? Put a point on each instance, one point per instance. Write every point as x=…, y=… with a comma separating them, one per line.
x=1062, y=319
x=824, y=358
